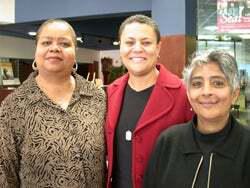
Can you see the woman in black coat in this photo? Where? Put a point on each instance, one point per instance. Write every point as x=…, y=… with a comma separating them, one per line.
x=212, y=150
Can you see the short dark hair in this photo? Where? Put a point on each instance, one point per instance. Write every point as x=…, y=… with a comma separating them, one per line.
x=142, y=19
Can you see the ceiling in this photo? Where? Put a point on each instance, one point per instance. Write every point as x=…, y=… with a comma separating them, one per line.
x=97, y=32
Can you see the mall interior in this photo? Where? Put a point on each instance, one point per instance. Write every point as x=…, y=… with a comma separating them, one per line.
x=186, y=26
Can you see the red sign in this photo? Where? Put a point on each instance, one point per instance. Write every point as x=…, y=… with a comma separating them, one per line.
x=233, y=15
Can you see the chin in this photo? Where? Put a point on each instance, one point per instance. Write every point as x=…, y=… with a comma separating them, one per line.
x=137, y=73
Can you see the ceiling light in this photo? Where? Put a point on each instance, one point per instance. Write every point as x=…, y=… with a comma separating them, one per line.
x=32, y=33
x=116, y=43
x=79, y=39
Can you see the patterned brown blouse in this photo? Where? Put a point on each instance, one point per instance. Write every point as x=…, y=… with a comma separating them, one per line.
x=42, y=145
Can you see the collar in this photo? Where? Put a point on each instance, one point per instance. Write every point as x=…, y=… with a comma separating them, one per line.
x=228, y=148
x=35, y=94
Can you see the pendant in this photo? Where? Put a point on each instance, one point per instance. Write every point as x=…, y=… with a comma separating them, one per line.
x=128, y=135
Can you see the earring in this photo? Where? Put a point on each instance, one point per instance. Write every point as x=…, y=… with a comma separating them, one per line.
x=34, y=66
x=75, y=67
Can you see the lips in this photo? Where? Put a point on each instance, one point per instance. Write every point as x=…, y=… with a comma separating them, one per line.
x=208, y=104
x=54, y=58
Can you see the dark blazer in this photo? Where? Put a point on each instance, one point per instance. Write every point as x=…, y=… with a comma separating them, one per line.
x=167, y=105
x=175, y=160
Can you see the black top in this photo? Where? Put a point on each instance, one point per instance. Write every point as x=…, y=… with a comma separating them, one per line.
x=207, y=142
x=132, y=108
x=175, y=160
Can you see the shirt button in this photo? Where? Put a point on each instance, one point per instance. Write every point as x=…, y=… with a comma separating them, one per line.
x=78, y=155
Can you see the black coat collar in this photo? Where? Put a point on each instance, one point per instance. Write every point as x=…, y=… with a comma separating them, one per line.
x=228, y=148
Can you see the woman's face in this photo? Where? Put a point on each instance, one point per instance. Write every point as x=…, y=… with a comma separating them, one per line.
x=55, y=50
x=210, y=94
x=139, y=49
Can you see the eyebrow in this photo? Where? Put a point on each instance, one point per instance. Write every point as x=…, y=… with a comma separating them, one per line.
x=60, y=38
x=212, y=77
x=145, y=38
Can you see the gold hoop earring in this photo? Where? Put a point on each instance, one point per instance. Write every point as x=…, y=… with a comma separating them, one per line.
x=75, y=67
x=34, y=66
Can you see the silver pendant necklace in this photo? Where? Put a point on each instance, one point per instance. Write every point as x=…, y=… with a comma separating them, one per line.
x=128, y=135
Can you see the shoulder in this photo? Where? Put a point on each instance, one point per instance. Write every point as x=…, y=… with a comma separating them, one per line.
x=119, y=81
x=18, y=97
x=175, y=133
x=169, y=80
x=118, y=84
x=89, y=88
x=240, y=134
x=245, y=131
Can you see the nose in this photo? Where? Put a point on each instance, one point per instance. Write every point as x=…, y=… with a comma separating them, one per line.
x=207, y=89
x=54, y=47
x=138, y=47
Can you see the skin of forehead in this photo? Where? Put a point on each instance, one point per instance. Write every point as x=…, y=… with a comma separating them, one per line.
x=137, y=23
x=59, y=26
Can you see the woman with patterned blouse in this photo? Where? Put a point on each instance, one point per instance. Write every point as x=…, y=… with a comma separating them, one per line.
x=51, y=127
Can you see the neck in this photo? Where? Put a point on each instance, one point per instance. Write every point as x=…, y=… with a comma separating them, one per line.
x=139, y=83
x=56, y=87
x=54, y=78
x=54, y=81
x=208, y=127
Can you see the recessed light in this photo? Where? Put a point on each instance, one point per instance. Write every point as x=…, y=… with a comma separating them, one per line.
x=32, y=33
x=116, y=43
x=79, y=39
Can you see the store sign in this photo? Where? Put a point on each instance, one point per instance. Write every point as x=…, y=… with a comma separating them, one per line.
x=233, y=16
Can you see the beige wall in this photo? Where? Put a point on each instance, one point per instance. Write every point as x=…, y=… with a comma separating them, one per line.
x=7, y=11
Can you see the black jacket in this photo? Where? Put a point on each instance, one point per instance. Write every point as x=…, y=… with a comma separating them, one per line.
x=176, y=158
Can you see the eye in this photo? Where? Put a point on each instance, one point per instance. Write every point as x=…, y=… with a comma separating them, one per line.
x=218, y=83
x=46, y=43
x=65, y=44
x=129, y=43
x=196, y=84
x=146, y=43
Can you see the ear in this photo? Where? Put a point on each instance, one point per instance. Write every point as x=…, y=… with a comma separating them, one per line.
x=235, y=95
x=158, y=48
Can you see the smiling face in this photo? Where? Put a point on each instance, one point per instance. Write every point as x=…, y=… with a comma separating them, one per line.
x=139, y=49
x=55, y=50
x=209, y=93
